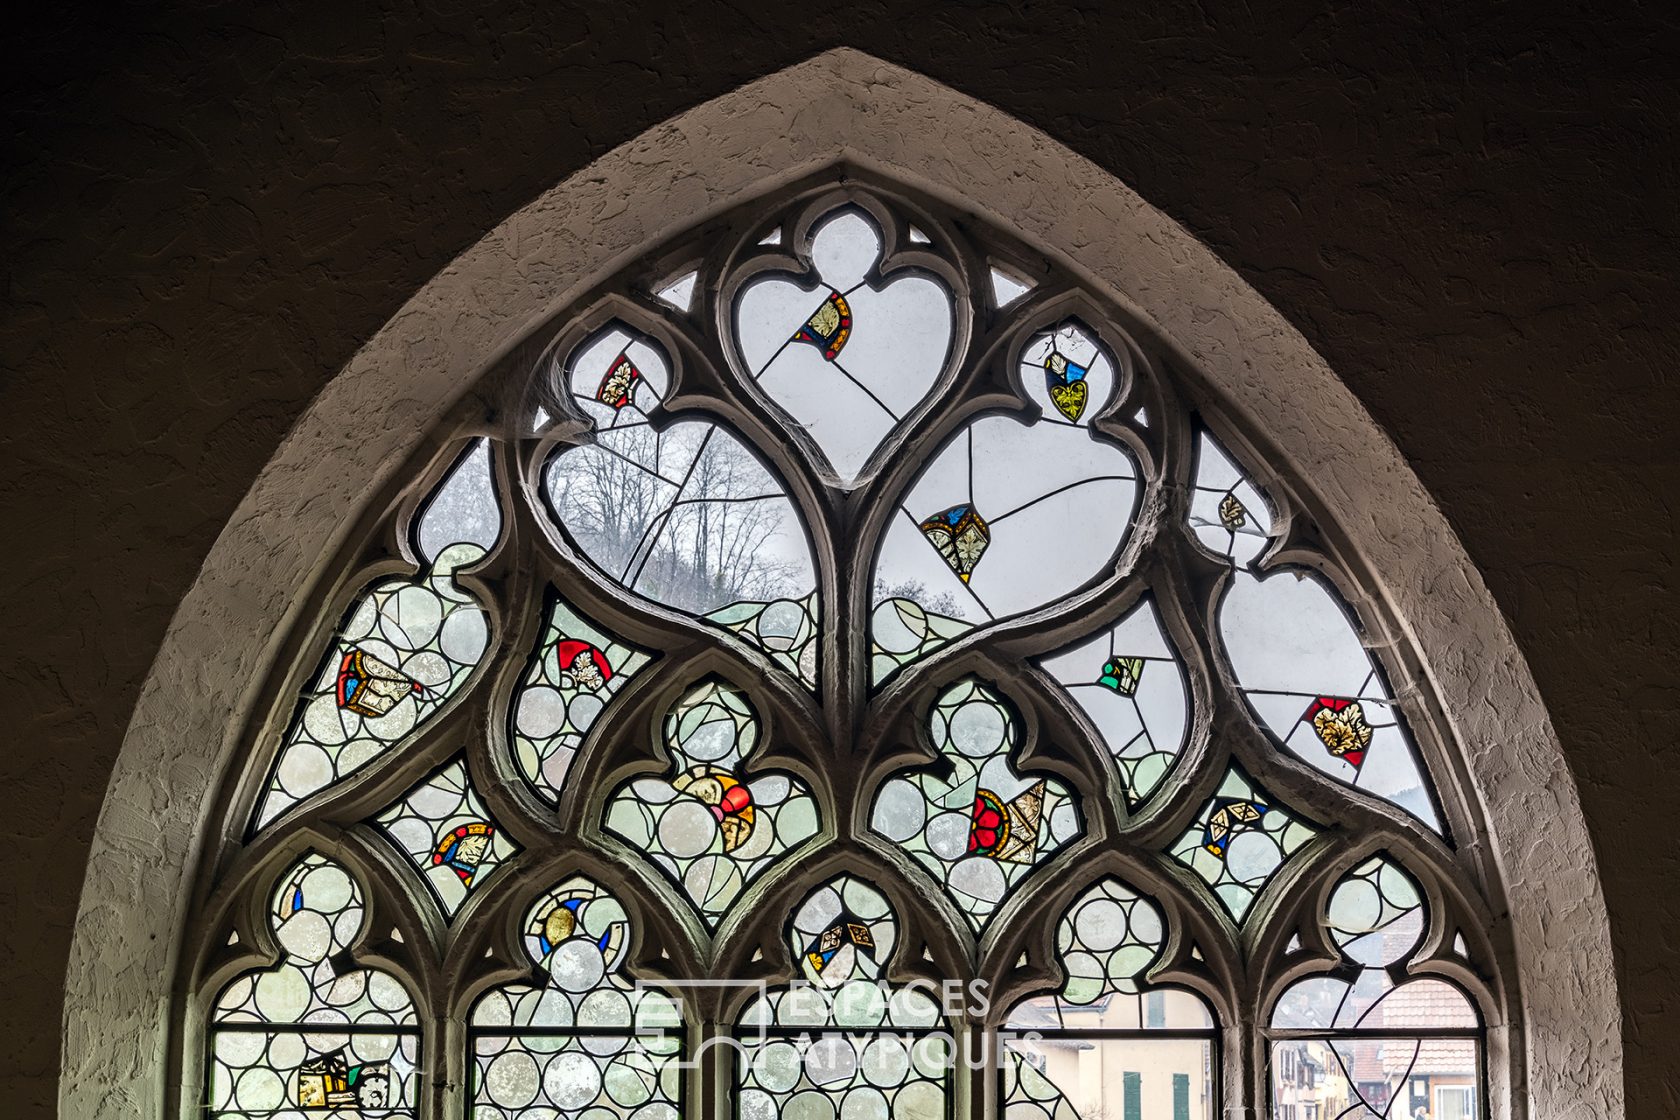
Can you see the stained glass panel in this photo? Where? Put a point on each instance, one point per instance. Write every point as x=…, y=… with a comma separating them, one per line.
x=588, y=1042
x=1008, y=516
x=681, y=505
x=309, y=1037
x=848, y=359
x=684, y=515
x=1314, y=686
x=881, y=1055
x=1239, y=840
x=786, y=629
x=575, y=671
x=408, y=646
x=974, y=821
x=1072, y=1054
x=1228, y=513
x=1130, y=685
x=1347, y=1046
x=442, y=826
x=709, y=825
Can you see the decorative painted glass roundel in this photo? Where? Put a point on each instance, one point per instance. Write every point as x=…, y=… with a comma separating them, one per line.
x=843, y=670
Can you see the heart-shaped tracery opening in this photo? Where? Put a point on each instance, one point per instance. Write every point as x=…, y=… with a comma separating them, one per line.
x=683, y=513
x=846, y=360
x=1009, y=516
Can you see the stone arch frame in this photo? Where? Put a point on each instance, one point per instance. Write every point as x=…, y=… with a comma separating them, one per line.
x=1422, y=600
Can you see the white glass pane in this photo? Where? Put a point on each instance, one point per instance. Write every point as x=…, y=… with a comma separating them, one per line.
x=680, y=293
x=1006, y=289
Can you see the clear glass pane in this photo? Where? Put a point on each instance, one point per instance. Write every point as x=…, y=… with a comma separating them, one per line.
x=686, y=515
x=1009, y=516
x=1228, y=513
x=1388, y=1078
x=1314, y=686
x=464, y=510
x=1376, y=915
x=1065, y=1077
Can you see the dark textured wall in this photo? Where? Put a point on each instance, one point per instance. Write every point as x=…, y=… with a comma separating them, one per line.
x=1473, y=217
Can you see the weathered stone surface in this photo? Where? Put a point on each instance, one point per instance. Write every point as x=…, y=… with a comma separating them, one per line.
x=206, y=217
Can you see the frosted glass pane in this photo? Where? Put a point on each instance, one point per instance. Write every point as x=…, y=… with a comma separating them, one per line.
x=464, y=508
x=680, y=293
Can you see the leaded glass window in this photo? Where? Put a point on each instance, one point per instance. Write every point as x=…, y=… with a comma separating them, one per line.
x=844, y=668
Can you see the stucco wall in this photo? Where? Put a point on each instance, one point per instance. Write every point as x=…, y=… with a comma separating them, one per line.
x=204, y=221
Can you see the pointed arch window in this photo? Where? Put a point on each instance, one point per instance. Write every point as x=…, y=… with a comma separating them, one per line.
x=846, y=669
